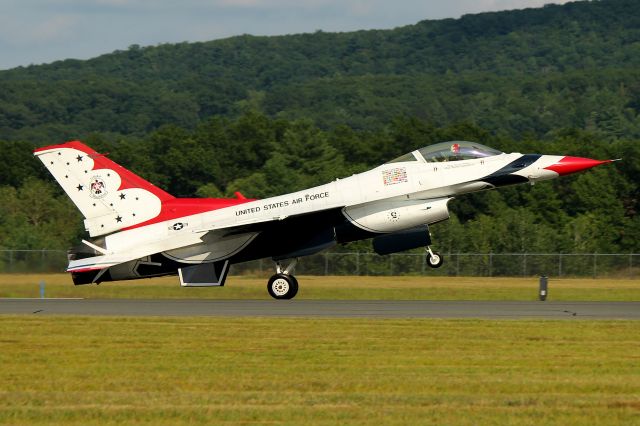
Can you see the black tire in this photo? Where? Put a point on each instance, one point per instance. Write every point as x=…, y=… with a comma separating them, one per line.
x=436, y=260
x=282, y=286
x=294, y=288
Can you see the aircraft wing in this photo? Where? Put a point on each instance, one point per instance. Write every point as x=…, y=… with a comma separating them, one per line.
x=256, y=225
x=199, y=235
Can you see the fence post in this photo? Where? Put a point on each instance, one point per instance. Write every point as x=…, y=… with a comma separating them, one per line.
x=595, y=265
x=357, y=263
x=326, y=264
x=458, y=264
x=524, y=265
x=367, y=267
x=490, y=263
x=559, y=265
x=630, y=265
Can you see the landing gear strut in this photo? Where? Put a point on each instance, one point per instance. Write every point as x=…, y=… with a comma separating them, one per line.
x=283, y=285
x=434, y=259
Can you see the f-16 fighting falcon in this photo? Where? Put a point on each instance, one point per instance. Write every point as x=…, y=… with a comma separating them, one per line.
x=137, y=230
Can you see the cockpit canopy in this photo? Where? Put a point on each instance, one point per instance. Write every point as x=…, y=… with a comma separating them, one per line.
x=448, y=151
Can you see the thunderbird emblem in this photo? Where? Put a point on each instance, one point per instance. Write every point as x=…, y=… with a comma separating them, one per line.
x=98, y=189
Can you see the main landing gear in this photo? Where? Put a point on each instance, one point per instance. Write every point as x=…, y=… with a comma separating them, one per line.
x=283, y=285
x=434, y=259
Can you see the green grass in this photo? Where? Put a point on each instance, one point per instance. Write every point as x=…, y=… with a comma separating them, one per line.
x=334, y=287
x=172, y=371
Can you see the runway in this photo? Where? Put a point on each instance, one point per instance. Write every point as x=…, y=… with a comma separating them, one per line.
x=324, y=308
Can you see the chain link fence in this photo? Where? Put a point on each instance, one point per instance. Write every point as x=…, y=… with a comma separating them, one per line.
x=32, y=261
x=594, y=265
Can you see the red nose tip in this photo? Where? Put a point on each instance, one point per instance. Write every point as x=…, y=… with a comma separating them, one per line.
x=574, y=164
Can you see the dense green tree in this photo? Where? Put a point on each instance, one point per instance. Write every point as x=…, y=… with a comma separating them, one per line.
x=593, y=211
x=513, y=73
x=270, y=115
x=32, y=216
x=301, y=159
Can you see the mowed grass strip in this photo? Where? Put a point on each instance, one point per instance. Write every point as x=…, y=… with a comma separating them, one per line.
x=96, y=370
x=334, y=288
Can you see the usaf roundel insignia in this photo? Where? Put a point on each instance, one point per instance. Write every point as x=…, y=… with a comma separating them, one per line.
x=97, y=187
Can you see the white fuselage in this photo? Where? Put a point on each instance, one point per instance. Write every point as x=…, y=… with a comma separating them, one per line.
x=391, y=197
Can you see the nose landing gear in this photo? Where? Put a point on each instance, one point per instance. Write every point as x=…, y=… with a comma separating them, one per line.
x=434, y=259
x=283, y=285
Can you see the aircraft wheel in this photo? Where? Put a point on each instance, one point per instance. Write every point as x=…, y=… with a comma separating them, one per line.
x=282, y=286
x=435, y=260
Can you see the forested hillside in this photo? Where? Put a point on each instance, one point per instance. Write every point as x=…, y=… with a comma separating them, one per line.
x=267, y=115
x=517, y=73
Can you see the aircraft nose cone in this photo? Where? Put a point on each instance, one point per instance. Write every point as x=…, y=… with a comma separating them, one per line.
x=569, y=165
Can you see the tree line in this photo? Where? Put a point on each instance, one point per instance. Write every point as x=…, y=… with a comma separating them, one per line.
x=519, y=73
x=595, y=211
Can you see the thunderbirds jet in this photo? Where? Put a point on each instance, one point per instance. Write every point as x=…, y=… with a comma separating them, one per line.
x=138, y=230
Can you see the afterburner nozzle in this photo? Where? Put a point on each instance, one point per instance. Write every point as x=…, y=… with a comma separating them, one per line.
x=569, y=165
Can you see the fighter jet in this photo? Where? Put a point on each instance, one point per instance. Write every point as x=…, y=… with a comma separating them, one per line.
x=137, y=230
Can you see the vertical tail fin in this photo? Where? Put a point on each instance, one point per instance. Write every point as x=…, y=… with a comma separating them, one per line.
x=109, y=196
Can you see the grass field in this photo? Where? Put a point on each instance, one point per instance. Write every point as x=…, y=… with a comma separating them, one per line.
x=159, y=371
x=334, y=287
x=238, y=371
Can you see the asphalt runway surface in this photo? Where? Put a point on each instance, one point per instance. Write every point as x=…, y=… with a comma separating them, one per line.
x=324, y=308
